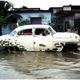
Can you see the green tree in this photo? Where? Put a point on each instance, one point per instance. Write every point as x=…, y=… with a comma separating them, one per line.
x=4, y=7
x=24, y=22
x=13, y=20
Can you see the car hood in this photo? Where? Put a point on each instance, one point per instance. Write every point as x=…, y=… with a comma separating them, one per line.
x=65, y=35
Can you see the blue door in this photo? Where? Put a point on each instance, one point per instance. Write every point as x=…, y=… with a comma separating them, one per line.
x=36, y=20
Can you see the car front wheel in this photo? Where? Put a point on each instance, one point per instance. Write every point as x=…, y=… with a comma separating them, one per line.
x=70, y=47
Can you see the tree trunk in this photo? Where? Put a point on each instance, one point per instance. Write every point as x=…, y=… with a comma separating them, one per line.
x=0, y=30
x=79, y=30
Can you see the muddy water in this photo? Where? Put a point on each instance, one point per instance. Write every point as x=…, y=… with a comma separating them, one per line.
x=39, y=65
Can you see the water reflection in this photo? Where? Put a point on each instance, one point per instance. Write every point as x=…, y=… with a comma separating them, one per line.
x=53, y=65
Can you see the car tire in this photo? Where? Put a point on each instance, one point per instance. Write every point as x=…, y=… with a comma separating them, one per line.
x=10, y=48
x=70, y=47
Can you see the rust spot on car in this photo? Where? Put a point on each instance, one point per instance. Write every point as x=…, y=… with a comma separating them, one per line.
x=48, y=50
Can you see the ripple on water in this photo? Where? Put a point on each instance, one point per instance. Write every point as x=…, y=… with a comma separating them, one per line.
x=40, y=65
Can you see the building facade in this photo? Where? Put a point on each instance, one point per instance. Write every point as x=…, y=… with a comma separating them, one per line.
x=62, y=19
x=19, y=17
x=70, y=15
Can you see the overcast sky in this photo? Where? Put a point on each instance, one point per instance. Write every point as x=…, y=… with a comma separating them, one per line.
x=43, y=4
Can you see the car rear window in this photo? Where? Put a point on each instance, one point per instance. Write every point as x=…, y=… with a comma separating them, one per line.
x=25, y=32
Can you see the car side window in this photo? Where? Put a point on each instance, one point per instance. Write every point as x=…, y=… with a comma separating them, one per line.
x=25, y=32
x=41, y=31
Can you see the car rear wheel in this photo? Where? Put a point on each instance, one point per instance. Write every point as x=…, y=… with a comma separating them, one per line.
x=10, y=48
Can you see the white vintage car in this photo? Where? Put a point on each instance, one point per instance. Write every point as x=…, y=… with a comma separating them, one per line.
x=39, y=38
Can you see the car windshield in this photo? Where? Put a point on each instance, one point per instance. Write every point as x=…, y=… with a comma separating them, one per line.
x=13, y=33
x=52, y=30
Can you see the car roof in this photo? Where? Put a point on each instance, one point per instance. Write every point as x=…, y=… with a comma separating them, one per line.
x=31, y=26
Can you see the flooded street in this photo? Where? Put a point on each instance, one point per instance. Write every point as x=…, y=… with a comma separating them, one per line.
x=39, y=65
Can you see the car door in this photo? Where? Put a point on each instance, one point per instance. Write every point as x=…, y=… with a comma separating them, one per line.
x=25, y=38
x=42, y=39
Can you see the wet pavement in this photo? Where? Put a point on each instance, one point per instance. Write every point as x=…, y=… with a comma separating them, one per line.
x=39, y=65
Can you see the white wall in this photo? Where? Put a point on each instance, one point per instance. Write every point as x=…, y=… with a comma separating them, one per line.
x=6, y=29
x=45, y=20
